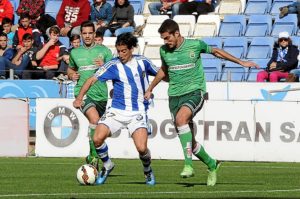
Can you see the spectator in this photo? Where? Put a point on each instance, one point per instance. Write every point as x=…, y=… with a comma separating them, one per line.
x=199, y=6
x=26, y=27
x=7, y=24
x=293, y=8
x=157, y=8
x=6, y=10
x=34, y=8
x=49, y=57
x=101, y=13
x=5, y=50
x=284, y=59
x=22, y=59
x=70, y=16
x=44, y=23
x=99, y=38
x=122, y=20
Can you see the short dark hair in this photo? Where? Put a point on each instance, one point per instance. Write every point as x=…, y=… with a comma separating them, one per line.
x=99, y=34
x=3, y=34
x=24, y=15
x=74, y=37
x=87, y=24
x=126, y=3
x=54, y=29
x=27, y=36
x=127, y=39
x=169, y=26
x=6, y=20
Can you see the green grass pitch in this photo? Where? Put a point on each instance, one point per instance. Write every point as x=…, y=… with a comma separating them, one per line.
x=55, y=178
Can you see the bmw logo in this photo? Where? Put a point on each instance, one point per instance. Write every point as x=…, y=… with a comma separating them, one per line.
x=61, y=126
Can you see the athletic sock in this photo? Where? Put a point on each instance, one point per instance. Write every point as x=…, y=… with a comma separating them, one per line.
x=93, y=152
x=185, y=136
x=102, y=152
x=146, y=161
x=200, y=153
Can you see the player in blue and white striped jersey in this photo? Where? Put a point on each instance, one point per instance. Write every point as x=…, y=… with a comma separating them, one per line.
x=129, y=74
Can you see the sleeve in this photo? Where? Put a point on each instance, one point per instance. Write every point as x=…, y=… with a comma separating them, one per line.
x=15, y=39
x=62, y=50
x=9, y=53
x=292, y=60
x=93, y=15
x=60, y=17
x=130, y=15
x=109, y=13
x=151, y=69
x=108, y=56
x=83, y=14
x=161, y=52
x=72, y=63
x=106, y=72
x=204, y=48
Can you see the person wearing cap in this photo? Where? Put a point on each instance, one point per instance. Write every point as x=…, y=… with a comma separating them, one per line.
x=284, y=59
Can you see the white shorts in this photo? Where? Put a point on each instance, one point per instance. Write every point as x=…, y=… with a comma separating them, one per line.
x=116, y=119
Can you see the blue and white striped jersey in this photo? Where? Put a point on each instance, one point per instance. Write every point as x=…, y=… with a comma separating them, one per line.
x=130, y=81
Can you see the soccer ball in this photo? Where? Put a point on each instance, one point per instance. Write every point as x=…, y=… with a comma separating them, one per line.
x=87, y=174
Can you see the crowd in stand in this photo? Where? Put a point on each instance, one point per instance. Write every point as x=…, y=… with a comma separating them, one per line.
x=32, y=47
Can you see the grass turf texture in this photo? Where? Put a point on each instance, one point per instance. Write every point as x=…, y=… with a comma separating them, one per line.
x=56, y=178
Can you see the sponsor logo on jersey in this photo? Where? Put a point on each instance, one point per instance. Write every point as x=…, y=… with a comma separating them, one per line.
x=182, y=67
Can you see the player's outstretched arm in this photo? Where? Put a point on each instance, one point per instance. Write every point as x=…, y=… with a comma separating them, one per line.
x=87, y=84
x=161, y=74
x=225, y=55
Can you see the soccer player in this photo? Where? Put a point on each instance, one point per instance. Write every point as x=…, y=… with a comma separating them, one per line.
x=129, y=74
x=84, y=62
x=181, y=62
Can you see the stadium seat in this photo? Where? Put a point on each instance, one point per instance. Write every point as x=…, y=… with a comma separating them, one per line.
x=212, y=69
x=233, y=72
x=207, y=26
x=141, y=45
x=236, y=46
x=137, y=6
x=259, y=26
x=279, y=3
x=296, y=41
x=139, y=20
x=233, y=26
x=186, y=24
x=214, y=42
x=152, y=47
x=52, y=7
x=65, y=41
x=260, y=48
x=110, y=43
x=15, y=4
x=288, y=23
x=257, y=7
x=252, y=73
x=232, y=7
x=152, y=24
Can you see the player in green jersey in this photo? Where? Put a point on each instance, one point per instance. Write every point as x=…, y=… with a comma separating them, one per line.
x=84, y=62
x=181, y=62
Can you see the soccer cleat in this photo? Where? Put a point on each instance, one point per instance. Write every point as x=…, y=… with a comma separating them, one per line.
x=150, y=178
x=93, y=161
x=103, y=174
x=212, y=175
x=187, y=172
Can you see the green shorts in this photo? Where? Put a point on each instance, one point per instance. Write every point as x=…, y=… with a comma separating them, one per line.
x=99, y=105
x=194, y=100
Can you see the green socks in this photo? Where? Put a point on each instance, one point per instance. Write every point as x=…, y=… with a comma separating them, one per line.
x=93, y=151
x=185, y=136
x=200, y=153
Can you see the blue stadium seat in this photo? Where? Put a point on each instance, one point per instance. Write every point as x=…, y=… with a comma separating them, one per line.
x=52, y=7
x=138, y=6
x=212, y=69
x=252, y=73
x=279, y=3
x=288, y=23
x=257, y=7
x=260, y=48
x=65, y=41
x=233, y=26
x=15, y=4
x=259, y=26
x=233, y=72
x=296, y=41
x=236, y=46
x=214, y=42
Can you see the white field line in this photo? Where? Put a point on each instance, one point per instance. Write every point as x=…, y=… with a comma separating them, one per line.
x=148, y=193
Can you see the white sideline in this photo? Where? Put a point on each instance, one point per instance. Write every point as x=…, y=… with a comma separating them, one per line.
x=142, y=193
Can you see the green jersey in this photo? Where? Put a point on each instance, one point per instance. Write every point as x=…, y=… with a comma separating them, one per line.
x=184, y=66
x=82, y=60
